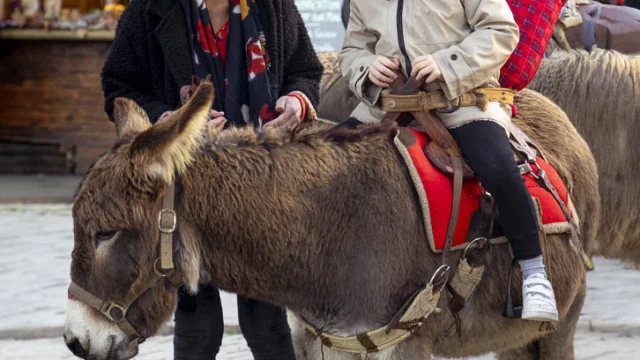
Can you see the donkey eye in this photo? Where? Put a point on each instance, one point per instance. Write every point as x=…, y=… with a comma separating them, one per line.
x=104, y=236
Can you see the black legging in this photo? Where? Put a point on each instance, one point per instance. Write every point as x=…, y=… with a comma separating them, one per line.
x=488, y=151
x=199, y=327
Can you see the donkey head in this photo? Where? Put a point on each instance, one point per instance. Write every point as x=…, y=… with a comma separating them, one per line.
x=116, y=235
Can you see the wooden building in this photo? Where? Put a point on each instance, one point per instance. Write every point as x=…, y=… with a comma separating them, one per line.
x=51, y=103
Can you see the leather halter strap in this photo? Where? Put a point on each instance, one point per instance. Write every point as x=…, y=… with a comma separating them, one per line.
x=163, y=268
x=167, y=222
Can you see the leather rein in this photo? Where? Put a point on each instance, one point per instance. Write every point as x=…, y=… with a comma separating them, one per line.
x=163, y=268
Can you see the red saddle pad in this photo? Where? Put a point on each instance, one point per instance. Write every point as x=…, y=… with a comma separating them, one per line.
x=439, y=190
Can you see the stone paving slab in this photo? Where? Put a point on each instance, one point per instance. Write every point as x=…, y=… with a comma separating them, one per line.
x=613, y=299
x=35, y=254
x=35, y=249
x=38, y=188
x=588, y=346
x=158, y=348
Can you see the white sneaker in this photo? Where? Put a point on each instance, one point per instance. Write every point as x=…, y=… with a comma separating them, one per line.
x=538, y=300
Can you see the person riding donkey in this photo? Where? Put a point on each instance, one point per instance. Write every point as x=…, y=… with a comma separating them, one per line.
x=454, y=47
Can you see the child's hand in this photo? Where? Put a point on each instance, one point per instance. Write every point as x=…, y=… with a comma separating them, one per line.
x=381, y=73
x=426, y=66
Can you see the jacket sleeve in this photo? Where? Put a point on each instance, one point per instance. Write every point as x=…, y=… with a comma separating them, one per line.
x=480, y=55
x=302, y=69
x=126, y=69
x=357, y=56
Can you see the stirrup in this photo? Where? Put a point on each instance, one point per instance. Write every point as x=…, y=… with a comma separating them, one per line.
x=510, y=311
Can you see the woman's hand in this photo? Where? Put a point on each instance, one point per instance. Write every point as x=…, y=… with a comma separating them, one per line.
x=216, y=121
x=291, y=112
x=217, y=116
x=216, y=124
x=382, y=73
x=426, y=67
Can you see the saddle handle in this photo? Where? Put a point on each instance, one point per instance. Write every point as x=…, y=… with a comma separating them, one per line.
x=442, y=146
x=401, y=85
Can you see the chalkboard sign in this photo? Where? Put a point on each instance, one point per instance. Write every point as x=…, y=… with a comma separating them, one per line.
x=323, y=19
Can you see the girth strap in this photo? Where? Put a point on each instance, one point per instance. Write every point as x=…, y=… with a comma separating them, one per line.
x=410, y=318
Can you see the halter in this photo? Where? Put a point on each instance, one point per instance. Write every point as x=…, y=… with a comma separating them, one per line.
x=163, y=268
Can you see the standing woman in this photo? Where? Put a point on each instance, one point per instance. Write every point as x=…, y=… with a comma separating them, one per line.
x=264, y=70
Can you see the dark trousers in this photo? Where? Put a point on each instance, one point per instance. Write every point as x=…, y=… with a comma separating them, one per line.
x=488, y=151
x=486, y=147
x=199, y=327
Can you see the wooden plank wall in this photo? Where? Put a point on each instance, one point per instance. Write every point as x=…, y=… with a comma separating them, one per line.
x=50, y=94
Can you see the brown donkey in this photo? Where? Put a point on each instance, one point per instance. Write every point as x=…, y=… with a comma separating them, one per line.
x=321, y=221
x=599, y=91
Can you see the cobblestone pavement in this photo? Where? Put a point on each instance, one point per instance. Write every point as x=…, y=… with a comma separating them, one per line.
x=588, y=346
x=158, y=348
x=35, y=248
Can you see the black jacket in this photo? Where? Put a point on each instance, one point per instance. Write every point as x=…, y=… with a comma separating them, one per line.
x=150, y=59
x=632, y=3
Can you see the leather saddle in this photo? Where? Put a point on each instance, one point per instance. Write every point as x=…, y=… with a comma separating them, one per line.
x=442, y=148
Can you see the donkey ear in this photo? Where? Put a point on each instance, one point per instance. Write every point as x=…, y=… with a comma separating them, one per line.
x=130, y=119
x=168, y=146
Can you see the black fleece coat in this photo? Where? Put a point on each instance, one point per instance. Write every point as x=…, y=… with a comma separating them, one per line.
x=632, y=3
x=150, y=59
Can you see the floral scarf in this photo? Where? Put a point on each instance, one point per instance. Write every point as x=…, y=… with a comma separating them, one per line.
x=243, y=82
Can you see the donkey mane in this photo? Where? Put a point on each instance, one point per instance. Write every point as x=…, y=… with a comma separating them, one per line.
x=302, y=134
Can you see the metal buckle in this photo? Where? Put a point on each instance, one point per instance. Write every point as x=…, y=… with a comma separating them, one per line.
x=114, y=306
x=451, y=108
x=159, y=272
x=172, y=228
x=531, y=158
x=441, y=272
x=476, y=241
x=540, y=173
x=525, y=168
x=527, y=153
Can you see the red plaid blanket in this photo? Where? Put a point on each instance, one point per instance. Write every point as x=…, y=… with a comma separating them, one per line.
x=536, y=19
